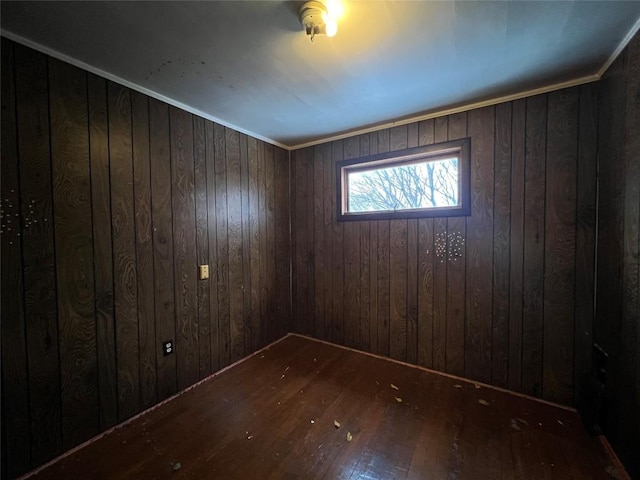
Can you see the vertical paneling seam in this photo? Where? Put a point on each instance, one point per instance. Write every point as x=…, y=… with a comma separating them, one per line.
x=292, y=319
x=93, y=242
x=524, y=198
x=575, y=244
x=466, y=252
x=135, y=247
x=541, y=393
x=511, y=105
x=53, y=234
x=173, y=262
x=153, y=239
x=19, y=208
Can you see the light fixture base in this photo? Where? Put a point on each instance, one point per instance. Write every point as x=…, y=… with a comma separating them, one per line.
x=314, y=18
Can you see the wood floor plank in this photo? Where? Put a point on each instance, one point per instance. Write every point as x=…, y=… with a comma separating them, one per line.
x=306, y=409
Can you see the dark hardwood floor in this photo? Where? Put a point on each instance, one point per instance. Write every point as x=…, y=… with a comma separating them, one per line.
x=275, y=416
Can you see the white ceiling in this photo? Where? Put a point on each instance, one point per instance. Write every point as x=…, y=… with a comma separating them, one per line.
x=250, y=66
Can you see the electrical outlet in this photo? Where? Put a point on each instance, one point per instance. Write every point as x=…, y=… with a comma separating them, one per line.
x=167, y=347
x=204, y=272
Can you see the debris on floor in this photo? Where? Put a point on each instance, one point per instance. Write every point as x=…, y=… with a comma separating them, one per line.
x=398, y=399
x=176, y=466
x=394, y=387
x=457, y=385
x=522, y=421
x=349, y=437
x=514, y=424
x=483, y=402
x=336, y=423
x=477, y=386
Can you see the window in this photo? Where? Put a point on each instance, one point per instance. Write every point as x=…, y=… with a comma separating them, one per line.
x=429, y=181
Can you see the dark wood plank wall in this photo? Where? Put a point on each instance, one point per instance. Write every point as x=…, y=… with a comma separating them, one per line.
x=501, y=296
x=110, y=201
x=617, y=323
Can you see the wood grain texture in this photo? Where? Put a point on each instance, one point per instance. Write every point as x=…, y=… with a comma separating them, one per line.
x=384, y=281
x=246, y=247
x=15, y=406
x=262, y=212
x=337, y=273
x=111, y=200
x=480, y=246
x=365, y=267
x=102, y=251
x=38, y=253
x=441, y=127
x=74, y=252
x=501, y=246
x=283, y=242
x=425, y=268
x=328, y=182
x=351, y=290
x=160, y=151
x=301, y=280
x=560, y=231
x=202, y=244
x=534, y=238
x=212, y=212
x=438, y=430
x=234, y=229
x=271, y=320
x=456, y=271
x=253, y=326
x=617, y=313
x=398, y=140
x=516, y=260
x=630, y=337
x=479, y=281
x=222, y=254
x=144, y=248
x=373, y=269
x=184, y=246
x=124, y=250
x=585, y=234
x=319, y=246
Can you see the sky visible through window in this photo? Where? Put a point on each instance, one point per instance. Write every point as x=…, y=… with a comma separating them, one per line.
x=429, y=184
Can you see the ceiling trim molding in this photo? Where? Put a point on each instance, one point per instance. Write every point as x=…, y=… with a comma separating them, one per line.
x=623, y=44
x=380, y=126
x=450, y=111
x=114, y=78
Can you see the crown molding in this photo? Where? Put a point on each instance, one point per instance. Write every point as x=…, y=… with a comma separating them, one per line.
x=623, y=44
x=133, y=86
x=450, y=111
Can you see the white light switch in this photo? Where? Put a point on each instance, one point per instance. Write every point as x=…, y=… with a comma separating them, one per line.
x=204, y=272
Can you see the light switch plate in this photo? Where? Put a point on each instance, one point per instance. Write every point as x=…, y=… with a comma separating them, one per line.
x=204, y=272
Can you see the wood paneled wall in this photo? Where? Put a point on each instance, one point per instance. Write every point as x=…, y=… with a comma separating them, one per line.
x=617, y=325
x=515, y=308
x=110, y=200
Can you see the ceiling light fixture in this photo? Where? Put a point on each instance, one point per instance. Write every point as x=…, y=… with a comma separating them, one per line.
x=317, y=20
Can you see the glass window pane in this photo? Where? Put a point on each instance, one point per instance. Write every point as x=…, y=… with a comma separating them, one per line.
x=428, y=184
